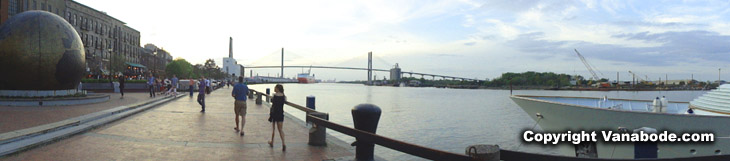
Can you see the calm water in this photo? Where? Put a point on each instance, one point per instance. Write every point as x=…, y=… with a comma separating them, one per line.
x=445, y=119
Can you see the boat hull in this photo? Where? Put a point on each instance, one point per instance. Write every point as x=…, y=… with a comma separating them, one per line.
x=305, y=80
x=561, y=117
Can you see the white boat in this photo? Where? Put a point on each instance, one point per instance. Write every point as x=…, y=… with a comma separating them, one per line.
x=560, y=114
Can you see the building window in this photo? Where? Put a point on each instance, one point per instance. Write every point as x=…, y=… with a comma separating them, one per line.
x=35, y=5
x=43, y=5
x=13, y=7
x=25, y=5
x=50, y=8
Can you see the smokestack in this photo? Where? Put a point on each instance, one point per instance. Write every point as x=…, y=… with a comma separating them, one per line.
x=230, y=47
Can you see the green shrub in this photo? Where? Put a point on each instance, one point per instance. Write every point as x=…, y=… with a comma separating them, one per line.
x=94, y=80
x=136, y=81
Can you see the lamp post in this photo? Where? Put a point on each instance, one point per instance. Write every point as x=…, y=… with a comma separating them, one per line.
x=111, y=61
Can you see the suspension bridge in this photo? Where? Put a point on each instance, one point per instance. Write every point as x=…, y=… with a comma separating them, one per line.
x=396, y=73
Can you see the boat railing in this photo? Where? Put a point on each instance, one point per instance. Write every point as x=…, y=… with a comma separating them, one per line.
x=471, y=153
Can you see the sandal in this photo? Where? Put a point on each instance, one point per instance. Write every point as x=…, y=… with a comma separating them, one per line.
x=241, y=133
x=236, y=128
x=283, y=147
x=271, y=144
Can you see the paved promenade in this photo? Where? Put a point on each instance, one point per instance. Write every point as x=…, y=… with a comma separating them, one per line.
x=15, y=118
x=178, y=131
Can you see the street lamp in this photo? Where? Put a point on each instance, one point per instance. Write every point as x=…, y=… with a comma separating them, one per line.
x=111, y=61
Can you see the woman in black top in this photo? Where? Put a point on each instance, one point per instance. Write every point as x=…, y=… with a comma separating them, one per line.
x=276, y=114
x=121, y=85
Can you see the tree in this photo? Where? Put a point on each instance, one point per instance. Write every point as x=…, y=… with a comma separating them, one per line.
x=180, y=67
x=117, y=64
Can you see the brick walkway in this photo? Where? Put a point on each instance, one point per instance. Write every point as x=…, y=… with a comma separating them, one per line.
x=15, y=118
x=178, y=131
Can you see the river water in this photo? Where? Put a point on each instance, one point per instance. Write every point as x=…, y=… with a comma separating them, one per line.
x=444, y=119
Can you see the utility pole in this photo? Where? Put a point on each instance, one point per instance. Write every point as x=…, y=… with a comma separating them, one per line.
x=718, y=74
x=633, y=79
x=282, y=63
x=618, y=81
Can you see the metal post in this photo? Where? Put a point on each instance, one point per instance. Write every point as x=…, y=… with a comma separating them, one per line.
x=310, y=102
x=250, y=94
x=318, y=134
x=268, y=93
x=365, y=117
x=282, y=63
x=483, y=152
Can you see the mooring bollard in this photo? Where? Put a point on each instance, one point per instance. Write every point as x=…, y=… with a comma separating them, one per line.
x=318, y=134
x=483, y=152
x=268, y=94
x=310, y=102
x=250, y=94
x=365, y=117
x=258, y=98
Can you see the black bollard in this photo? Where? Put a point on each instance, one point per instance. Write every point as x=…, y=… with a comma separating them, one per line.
x=268, y=94
x=318, y=134
x=250, y=94
x=365, y=117
x=310, y=102
x=258, y=98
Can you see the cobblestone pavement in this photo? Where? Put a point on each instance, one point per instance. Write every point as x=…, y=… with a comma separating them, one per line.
x=16, y=118
x=178, y=131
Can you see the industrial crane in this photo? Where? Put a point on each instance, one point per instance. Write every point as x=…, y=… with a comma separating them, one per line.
x=589, y=66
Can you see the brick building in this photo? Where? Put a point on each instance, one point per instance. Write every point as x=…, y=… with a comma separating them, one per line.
x=103, y=36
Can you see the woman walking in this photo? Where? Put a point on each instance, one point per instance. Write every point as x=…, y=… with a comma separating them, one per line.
x=190, y=85
x=276, y=115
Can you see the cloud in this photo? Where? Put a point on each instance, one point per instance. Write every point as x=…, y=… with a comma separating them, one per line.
x=675, y=47
x=657, y=24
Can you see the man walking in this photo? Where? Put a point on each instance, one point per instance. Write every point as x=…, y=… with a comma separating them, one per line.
x=151, y=84
x=207, y=86
x=239, y=106
x=201, y=93
x=174, y=81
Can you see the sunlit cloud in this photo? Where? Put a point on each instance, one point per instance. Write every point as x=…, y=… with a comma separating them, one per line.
x=466, y=38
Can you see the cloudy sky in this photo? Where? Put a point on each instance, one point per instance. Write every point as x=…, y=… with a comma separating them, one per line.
x=466, y=38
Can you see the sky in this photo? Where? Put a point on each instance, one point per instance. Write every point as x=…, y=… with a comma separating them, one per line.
x=463, y=38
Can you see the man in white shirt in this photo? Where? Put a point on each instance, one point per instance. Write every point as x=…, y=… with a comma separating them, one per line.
x=207, y=86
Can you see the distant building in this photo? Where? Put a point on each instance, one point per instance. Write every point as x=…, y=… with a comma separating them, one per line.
x=230, y=65
x=677, y=82
x=395, y=73
x=102, y=35
x=158, y=58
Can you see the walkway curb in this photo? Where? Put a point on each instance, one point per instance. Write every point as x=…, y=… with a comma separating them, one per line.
x=19, y=140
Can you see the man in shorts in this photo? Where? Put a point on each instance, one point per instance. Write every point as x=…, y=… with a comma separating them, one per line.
x=239, y=93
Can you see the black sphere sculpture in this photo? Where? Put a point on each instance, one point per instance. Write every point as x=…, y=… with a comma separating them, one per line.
x=40, y=50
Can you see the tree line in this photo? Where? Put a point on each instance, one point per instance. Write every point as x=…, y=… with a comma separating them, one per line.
x=183, y=69
x=529, y=78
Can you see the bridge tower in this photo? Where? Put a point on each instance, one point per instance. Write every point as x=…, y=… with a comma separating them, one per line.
x=370, y=67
